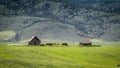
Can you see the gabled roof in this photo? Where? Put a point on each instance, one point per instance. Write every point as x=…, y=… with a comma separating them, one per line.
x=33, y=38
x=86, y=41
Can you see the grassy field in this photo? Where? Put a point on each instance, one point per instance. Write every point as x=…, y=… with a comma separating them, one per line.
x=59, y=57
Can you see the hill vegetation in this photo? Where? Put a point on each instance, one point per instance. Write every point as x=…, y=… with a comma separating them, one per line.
x=61, y=19
x=7, y=36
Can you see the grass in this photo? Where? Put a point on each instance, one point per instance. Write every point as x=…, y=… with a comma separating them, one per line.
x=59, y=57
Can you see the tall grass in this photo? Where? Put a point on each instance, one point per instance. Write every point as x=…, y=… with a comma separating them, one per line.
x=59, y=57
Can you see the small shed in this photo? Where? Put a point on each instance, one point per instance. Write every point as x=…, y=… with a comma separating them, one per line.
x=34, y=40
x=86, y=43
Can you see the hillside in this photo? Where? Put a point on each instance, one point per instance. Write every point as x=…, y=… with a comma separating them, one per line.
x=73, y=20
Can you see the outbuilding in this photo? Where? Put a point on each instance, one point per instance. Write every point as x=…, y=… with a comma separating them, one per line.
x=85, y=43
x=34, y=40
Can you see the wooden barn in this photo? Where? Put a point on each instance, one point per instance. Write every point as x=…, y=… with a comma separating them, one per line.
x=34, y=41
x=86, y=43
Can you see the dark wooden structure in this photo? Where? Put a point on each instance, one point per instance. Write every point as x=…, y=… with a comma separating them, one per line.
x=86, y=43
x=34, y=41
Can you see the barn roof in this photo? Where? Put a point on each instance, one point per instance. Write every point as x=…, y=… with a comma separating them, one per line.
x=33, y=38
x=86, y=41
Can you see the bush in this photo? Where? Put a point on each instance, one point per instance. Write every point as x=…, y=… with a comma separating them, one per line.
x=42, y=44
x=118, y=65
x=49, y=44
x=65, y=44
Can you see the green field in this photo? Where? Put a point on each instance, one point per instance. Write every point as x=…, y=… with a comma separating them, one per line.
x=59, y=57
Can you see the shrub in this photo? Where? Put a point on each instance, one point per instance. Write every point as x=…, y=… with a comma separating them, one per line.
x=65, y=44
x=49, y=44
x=118, y=65
x=42, y=44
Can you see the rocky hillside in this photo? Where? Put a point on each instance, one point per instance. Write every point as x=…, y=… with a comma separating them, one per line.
x=70, y=20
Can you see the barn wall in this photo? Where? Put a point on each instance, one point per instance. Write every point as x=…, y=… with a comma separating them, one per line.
x=34, y=41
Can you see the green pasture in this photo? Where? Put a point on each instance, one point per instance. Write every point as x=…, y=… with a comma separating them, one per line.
x=59, y=57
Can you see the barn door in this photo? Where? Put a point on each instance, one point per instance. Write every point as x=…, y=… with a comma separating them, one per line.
x=35, y=43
